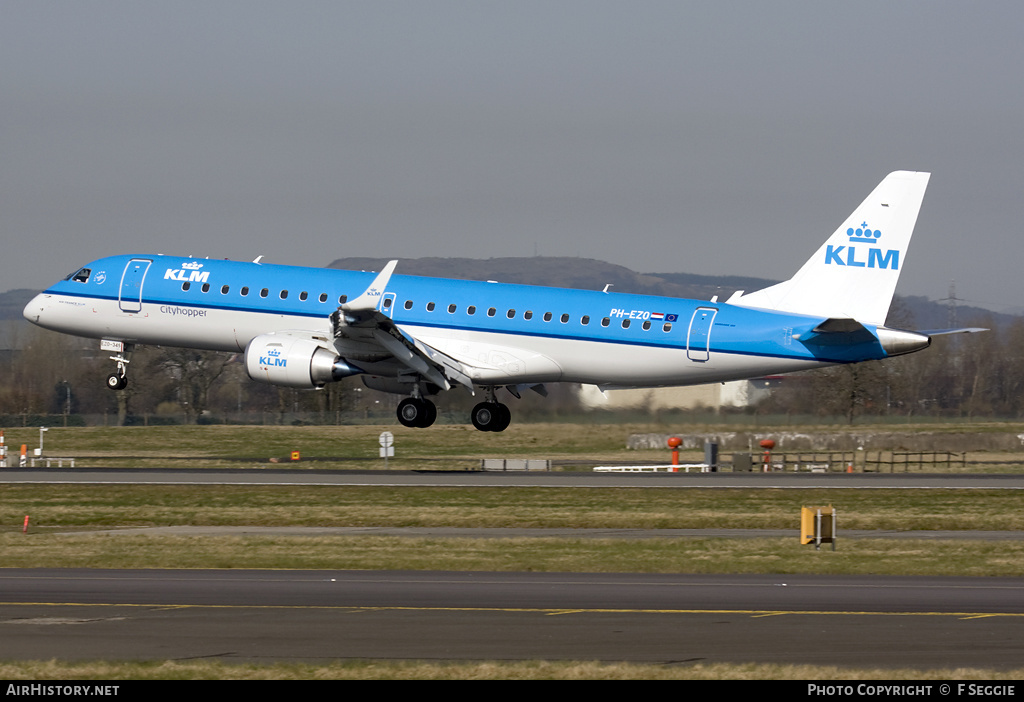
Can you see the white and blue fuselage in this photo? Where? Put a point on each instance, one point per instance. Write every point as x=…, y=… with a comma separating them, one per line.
x=509, y=334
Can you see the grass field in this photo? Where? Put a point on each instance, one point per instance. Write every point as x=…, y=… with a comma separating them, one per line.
x=61, y=517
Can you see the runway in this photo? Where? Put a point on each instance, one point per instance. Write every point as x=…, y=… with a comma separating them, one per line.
x=890, y=622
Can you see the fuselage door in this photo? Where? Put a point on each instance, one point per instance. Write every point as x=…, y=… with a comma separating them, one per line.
x=387, y=304
x=130, y=297
x=698, y=338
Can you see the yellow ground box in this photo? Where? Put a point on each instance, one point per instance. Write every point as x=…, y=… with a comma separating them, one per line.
x=818, y=525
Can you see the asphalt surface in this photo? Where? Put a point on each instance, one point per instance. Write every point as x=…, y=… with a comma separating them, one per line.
x=229, y=615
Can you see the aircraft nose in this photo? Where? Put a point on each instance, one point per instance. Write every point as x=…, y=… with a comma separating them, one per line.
x=35, y=308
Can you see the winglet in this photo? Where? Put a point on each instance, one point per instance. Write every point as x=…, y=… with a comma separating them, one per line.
x=371, y=297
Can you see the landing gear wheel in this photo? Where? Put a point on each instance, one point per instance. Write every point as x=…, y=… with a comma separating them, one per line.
x=116, y=381
x=416, y=412
x=491, y=416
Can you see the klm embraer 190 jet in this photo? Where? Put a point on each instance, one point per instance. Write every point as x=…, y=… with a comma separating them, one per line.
x=416, y=336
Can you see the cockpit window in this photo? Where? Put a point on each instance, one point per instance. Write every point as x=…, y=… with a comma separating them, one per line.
x=82, y=276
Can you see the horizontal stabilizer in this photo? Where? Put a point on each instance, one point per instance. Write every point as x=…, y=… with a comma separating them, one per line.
x=943, y=332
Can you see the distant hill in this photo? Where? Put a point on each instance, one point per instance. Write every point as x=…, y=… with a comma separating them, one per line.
x=565, y=272
x=13, y=302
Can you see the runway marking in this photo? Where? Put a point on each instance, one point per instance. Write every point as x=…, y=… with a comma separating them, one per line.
x=754, y=613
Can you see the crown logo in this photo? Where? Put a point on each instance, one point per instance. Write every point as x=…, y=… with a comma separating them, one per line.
x=273, y=352
x=193, y=266
x=863, y=234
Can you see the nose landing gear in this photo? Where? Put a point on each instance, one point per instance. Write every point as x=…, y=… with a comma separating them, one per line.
x=118, y=380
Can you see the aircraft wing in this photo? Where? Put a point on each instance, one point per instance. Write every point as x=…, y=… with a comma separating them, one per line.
x=360, y=324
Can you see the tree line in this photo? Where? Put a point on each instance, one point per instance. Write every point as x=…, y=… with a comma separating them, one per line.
x=47, y=374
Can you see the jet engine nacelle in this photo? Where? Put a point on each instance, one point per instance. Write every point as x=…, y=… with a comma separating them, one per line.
x=294, y=361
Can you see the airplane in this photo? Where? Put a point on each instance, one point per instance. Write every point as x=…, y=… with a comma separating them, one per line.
x=305, y=327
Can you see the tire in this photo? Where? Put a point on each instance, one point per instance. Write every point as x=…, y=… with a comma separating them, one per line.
x=416, y=413
x=503, y=417
x=429, y=414
x=410, y=412
x=116, y=381
x=482, y=416
x=491, y=416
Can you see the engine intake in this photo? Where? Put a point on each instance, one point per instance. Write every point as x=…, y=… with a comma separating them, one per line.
x=294, y=362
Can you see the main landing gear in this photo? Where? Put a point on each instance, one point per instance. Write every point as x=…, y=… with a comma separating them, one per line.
x=491, y=416
x=417, y=412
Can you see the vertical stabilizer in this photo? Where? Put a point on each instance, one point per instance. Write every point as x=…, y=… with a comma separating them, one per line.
x=854, y=273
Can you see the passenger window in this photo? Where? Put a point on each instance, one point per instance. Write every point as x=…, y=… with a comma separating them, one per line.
x=244, y=291
x=471, y=309
x=323, y=297
x=547, y=316
x=625, y=324
x=527, y=314
x=264, y=292
x=491, y=311
x=430, y=307
x=303, y=295
x=387, y=303
x=185, y=285
x=511, y=314
x=206, y=287
x=343, y=299
x=408, y=304
x=564, y=318
x=647, y=325
x=224, y=290
x=451, y=309
x=605, y=322
x=667, y=327
x=585, y=321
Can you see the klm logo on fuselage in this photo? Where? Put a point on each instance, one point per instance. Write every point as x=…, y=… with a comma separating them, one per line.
x=847, y=255
x=189, y=272
x=273, y=358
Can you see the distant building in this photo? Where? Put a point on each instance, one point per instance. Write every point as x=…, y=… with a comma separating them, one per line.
x=735, y=394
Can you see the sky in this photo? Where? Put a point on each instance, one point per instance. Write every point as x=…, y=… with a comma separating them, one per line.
x=719, y=138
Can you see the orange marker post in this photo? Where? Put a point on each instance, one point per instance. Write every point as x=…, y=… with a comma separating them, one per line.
x=674, y=443
x=766, y=459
